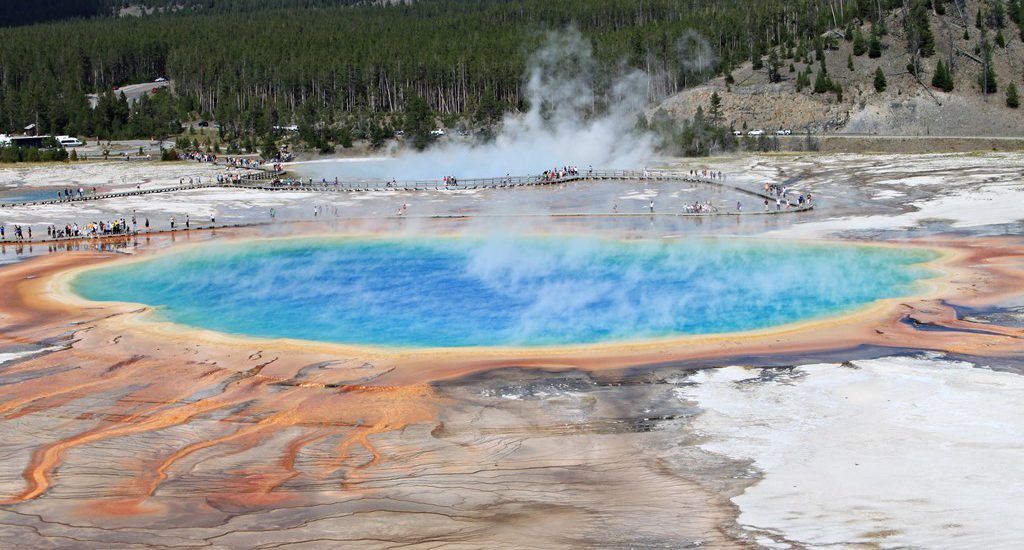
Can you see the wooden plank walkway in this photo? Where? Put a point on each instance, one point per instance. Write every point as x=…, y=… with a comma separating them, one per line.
x=267, y=180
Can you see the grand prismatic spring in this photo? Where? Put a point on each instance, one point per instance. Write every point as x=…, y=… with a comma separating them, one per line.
x=504, y=292
x=538, y=328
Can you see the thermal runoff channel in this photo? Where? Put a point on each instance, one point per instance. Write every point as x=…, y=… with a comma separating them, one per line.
x=523, y=291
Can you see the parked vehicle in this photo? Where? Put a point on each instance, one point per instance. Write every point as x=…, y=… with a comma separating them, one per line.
x=437, y=133
x=755, y=133
x=161, y=79
x=69, y=141
x=784, y=132
x=737, y=133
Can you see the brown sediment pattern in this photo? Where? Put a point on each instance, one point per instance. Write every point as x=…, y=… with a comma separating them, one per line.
x=128, y=431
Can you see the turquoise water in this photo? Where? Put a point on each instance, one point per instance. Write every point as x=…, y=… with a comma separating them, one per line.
x=438, y=292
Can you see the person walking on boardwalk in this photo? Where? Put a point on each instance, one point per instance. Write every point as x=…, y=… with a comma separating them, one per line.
x=652, y=206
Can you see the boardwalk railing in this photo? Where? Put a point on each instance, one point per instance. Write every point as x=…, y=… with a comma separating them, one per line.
x=508, y=181
x=269, y=180
x=247, y=180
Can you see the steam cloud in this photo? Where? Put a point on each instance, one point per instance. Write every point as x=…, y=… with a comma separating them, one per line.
x=695, y=53
x=561, y=127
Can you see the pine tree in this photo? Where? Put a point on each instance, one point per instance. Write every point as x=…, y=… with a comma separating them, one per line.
x=849, y=62
x=943, y=78
x=773, y=67
x=1012, y=101
x=880, y=83
x=996, y=15
x=1000, y=39
x=987, y=78
x=803, y=80
x=875, y=44
x=715, y=109
x=418, y=121
x=822, y=83
x=921, y=29
x=860, y=46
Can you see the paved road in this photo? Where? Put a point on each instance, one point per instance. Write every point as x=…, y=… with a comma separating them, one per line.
x=133, y=91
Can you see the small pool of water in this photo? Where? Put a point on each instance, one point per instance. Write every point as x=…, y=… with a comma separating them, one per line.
x=522, y=291
x=19, y=195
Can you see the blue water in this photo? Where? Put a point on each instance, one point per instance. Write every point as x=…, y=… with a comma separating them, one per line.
x=442, y=292
x=29, y=194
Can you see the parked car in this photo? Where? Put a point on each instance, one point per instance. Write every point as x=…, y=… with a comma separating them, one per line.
x=755, y=133
x=160, y=79
x=69, y=141
x=203, y=124
x=737, y=133
x=784, y=132
x=438, y=132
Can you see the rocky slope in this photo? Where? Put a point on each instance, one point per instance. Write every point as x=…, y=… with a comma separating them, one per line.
x=907, y=107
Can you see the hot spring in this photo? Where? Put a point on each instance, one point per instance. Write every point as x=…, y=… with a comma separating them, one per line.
x=519, y=291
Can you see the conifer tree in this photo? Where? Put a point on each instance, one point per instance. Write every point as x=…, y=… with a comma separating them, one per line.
x=715, y=109
x=880, y=83
x=875, y=44
x=860, y=46
x=987, y=78
x=1012, y=101
x=943, y=77
x=822, y=83
x=920, y=32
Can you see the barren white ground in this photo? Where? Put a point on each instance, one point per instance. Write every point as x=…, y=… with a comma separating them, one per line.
x=898, y=452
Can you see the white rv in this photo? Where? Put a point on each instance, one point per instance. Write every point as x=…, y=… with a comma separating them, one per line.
x=69, y=141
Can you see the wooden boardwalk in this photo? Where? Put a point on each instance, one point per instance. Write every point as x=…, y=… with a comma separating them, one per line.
x=268, y=180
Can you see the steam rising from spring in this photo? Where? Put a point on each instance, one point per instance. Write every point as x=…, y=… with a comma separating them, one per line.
x=568, y=122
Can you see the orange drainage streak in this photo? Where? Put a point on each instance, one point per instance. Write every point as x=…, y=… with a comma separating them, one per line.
x=161, y=469
x=360, y=437
x=67, y=392
x=46, y=458
x=291, y=454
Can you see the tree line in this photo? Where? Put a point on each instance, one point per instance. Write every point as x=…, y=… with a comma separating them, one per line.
x=252, y=64
x=344, y=70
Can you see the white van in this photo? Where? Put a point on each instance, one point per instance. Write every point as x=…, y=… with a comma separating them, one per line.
x=68, y=141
